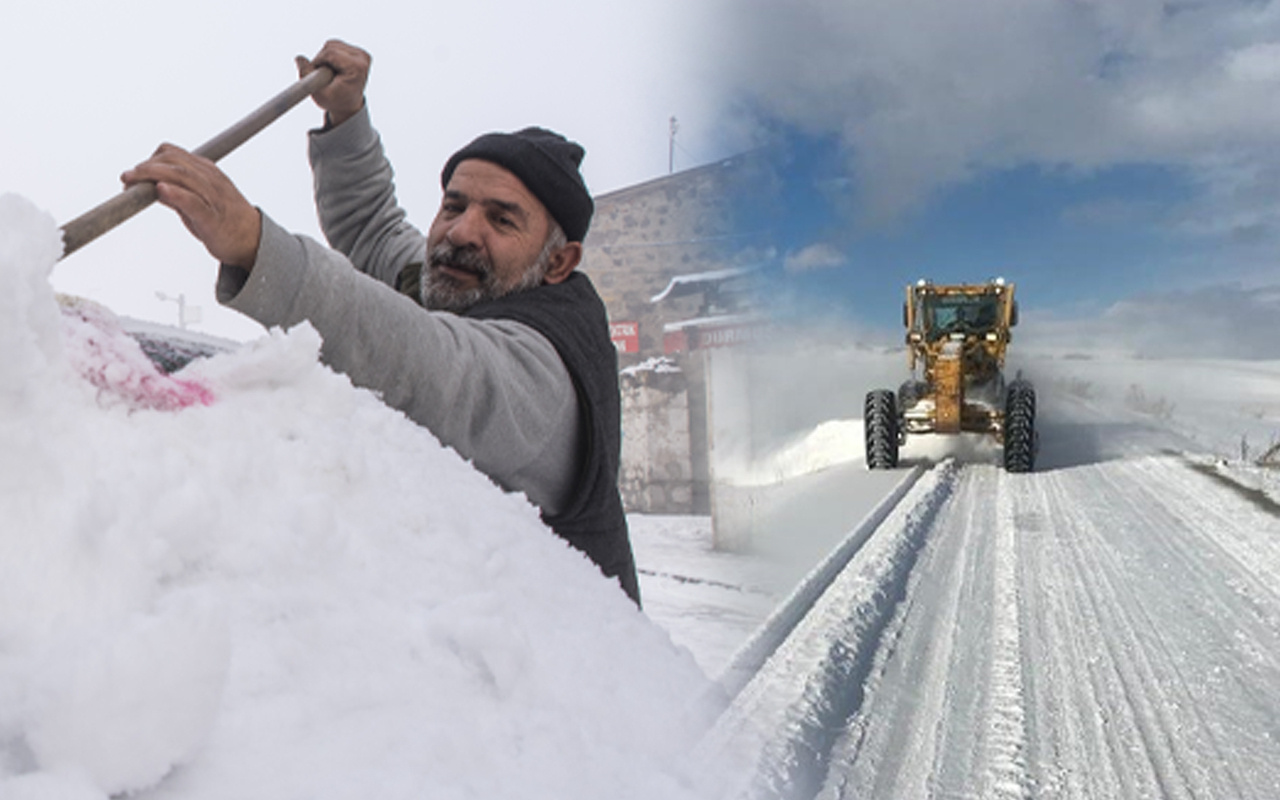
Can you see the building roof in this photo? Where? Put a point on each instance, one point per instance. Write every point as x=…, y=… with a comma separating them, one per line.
x=697, y=282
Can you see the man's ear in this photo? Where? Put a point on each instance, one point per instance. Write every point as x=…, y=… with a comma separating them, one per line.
x=562, y=263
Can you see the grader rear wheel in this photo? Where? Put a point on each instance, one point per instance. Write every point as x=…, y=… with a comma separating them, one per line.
x=1020, y=427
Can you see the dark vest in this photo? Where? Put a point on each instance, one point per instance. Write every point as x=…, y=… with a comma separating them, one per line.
x=572, y=317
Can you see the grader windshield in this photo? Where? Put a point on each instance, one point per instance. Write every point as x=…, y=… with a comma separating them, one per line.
x=939, y=315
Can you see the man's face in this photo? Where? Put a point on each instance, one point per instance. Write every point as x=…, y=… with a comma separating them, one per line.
x=486, y=240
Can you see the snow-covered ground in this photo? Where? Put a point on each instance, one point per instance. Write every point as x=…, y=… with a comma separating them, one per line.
x=252, y=580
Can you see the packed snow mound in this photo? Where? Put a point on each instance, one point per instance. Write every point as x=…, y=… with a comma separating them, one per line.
x=290, y=591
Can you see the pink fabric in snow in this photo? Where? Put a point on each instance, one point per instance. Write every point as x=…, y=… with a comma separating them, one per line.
x=113, y=361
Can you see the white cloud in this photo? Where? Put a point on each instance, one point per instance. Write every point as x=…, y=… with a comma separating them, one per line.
x=1260, y=62
x=925, y=93
x=1219, y=321
x=814, y=257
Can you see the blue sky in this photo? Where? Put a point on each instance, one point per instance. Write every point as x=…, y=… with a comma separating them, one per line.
x=1074, y=243
x=1100, y=154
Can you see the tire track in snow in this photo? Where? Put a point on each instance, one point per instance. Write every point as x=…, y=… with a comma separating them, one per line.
x=1006, y=768
x=1061, y=675
x=1132, y=688
x=1124, y=563
x=1221, y=550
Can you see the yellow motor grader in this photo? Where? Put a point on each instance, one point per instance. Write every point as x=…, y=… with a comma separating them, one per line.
x=956, y=341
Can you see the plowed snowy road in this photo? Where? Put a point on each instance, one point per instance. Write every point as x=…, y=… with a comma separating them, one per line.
x=1108, y=628
x=1111, y=630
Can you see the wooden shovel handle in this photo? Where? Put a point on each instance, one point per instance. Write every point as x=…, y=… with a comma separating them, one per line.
x=97, y=221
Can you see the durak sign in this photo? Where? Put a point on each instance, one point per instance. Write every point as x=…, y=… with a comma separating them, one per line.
x=707, y=336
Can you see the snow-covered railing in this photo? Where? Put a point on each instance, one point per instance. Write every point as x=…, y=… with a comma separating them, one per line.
x=796, y=682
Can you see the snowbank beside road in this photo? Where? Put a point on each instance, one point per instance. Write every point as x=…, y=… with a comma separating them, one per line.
x=831, y=443
x=291, y=591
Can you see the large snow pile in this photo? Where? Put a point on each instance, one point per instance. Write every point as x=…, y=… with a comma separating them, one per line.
x=258, y=582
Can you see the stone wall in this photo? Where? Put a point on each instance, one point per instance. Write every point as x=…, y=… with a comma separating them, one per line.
x=656, y=475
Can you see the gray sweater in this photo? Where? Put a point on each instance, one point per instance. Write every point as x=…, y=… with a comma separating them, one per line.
x=494, y=390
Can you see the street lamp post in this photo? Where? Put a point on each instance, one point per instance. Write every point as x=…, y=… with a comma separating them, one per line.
x=186, y=314
x=671, y=146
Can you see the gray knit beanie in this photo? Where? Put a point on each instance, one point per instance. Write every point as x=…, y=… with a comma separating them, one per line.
x=547, y=164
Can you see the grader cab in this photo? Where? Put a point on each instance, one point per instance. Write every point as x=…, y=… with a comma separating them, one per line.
x=956, y=341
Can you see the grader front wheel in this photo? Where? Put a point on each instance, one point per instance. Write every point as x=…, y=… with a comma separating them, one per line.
x=880, y=424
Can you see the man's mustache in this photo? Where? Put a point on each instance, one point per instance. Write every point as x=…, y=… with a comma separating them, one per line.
x=467, y=259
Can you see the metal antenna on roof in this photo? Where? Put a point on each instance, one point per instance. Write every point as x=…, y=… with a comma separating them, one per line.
x=671, y=147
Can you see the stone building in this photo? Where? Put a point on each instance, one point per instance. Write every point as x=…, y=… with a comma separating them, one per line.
x=645, y=240
x=645, y=235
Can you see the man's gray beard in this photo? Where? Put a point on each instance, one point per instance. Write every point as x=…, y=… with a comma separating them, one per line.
x=440, y=292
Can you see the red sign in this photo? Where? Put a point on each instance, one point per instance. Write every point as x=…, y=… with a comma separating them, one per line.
x=675, y=341
x=625, y=336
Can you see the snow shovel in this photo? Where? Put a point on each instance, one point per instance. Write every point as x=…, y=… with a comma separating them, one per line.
x=97, y=221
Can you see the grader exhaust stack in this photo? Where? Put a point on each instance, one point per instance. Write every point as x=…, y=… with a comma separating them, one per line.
x=956, y=341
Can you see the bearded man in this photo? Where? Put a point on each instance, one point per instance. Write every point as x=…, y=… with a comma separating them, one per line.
x=483, y=330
